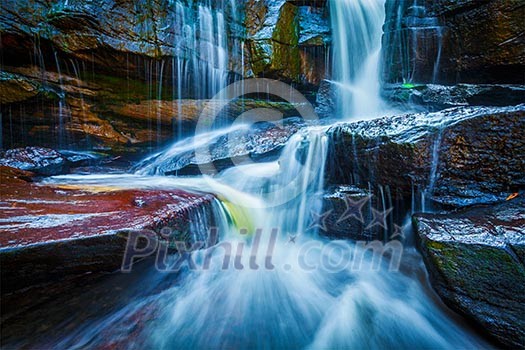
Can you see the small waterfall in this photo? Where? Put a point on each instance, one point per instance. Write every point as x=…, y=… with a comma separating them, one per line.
x=357, y=29
x=259, y=290
x=168, y=161
x=202, y=50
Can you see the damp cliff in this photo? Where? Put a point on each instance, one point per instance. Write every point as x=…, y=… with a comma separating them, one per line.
x=121, y=74
x=447, y=42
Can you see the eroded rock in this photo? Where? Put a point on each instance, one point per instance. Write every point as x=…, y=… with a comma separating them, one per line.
x=448, y=41
x=49, y=233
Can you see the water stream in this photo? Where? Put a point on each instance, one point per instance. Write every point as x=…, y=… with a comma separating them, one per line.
x=283, y=285
x=272, y=281
x=357, y=29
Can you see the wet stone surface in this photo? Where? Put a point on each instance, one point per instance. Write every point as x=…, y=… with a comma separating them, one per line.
x=476, y=260
x=48, y=233
x=457, y=157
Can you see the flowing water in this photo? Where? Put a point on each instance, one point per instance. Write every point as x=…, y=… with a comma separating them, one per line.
x=357, y=29
x=284, y=286
x=272, y=281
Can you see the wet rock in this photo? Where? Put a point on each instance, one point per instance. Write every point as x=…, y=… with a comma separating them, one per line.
x=456, y=157
x=73, y=113
x=259, y=142
x=60, y=114
x=10, y=175
x=120, y=39
x=43, y=161
x=50, y=233
x=454, y=41
x=188, y=112
x=349, y=209
x=433, y=97
x=476, y=263
x=103, y=33
x=287, y=41
x=14, y=88
x=326, y=100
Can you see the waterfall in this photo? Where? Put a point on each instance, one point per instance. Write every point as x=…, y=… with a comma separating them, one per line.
x=357, y=29
x=272, y=281
x=201, y=49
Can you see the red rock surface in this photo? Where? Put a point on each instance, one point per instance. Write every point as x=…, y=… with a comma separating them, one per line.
x=32, y=213
x=50, y=234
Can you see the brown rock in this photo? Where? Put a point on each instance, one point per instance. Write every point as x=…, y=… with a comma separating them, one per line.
x=458, y=157
x=468, y=41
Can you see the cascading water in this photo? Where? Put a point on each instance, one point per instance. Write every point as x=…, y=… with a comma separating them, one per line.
x=356, y=26
x=200, y=66
x=272, y=282
x=201, y=46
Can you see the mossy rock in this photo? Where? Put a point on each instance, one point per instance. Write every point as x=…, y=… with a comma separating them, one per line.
x=475, y=261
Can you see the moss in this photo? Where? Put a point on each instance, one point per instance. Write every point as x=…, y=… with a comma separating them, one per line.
x=475, y=268
x=287, y=26
x=118, y=89
x=286, y=55
x=261, y=52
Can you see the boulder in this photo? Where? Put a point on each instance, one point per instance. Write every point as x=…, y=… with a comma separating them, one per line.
x=476, y=261
x=52, y=233
x=43, y=161
x=456, y=157
x=258, y=142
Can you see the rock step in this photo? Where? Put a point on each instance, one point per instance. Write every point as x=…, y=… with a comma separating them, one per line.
x=456, y=157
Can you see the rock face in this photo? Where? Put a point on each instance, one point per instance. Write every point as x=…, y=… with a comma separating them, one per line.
x=476, y=261
x=288, y=40
x=457, y=157
x=448, y=41
x=103, y=33
x=118, y=75
x=109, y=113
